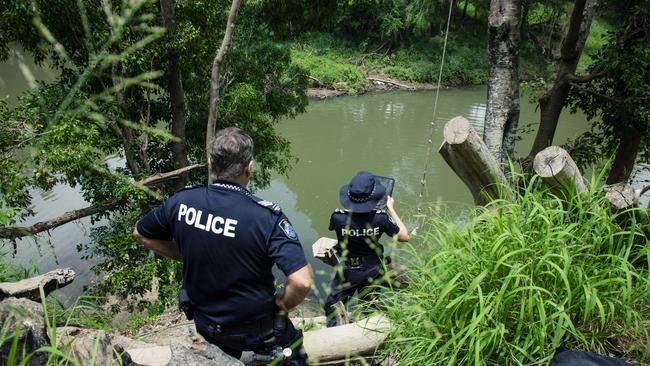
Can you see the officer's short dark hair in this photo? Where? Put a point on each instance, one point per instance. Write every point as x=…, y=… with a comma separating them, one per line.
x=231, y=150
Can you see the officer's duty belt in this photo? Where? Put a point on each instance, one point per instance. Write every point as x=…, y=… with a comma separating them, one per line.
x=262, y=327
x=368, y=260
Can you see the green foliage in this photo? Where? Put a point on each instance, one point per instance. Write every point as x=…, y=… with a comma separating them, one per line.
x=615, y=102
x=520, y=278
x=331, y=73
x=334, y=61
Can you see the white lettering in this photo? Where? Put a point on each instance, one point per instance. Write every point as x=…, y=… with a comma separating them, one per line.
x=197, y=223
x=216, y=224
x=181, y=211
x=229, y=228
x=360, y=232
x=190, y=212
x=207, y=224
x=215, y=229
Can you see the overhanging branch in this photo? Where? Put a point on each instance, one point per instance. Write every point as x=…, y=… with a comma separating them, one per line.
x=13, y=232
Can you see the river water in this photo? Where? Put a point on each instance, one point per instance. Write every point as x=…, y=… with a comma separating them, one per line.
x=385, y=133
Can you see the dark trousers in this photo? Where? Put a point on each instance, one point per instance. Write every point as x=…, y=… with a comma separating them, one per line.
x=353, y=279
x=233, y=341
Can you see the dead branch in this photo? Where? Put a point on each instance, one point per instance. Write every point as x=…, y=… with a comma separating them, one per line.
x=13, y=232
x=213, y=108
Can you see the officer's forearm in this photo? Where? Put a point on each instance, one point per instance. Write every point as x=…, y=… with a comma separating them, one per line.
x=403, y=234
x=297, y=287
x=165, y=248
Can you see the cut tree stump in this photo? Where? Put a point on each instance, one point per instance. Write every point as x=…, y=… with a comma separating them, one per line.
x=622, y=196
x=558, y=170
x=466, y=153
x=624, y=199
x=29, y=288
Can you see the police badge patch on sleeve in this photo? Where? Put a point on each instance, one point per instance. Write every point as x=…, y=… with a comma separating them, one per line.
x=285, y=225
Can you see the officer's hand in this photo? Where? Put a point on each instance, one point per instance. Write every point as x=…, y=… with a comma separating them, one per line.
x=390, y=203
x=279, y=303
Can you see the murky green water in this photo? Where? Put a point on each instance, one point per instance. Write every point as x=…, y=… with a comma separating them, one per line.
x=385, y=133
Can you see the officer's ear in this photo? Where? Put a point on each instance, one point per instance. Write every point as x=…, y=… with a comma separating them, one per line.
x=249, y=168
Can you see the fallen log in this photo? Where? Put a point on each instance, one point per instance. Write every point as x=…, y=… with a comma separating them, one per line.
x=468, y=156
x=403, y=86
x=558, y=170
x=30, y=288
x=340, y=344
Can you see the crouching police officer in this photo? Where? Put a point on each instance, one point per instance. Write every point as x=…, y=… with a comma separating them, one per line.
x=228, y=241
x=358, y=228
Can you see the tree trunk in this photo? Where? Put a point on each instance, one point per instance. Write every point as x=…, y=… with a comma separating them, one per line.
x=176, y=93
x=128, y=139
x=471, y=160
x=465, y=8
x=552, y=102
x=502, y=114
x=625, y=157
x=213, y=108
x=525, y=8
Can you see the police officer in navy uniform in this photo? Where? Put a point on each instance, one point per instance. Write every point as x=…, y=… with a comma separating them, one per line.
x=358, y=228
x=228, y=241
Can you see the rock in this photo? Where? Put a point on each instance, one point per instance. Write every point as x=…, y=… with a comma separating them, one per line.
x=151, y=356
x=212, y=355
x=29, y=287
x=91, y=346
x=26, y=316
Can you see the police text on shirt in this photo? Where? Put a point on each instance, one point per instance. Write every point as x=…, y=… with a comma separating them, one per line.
x=216, y=224
x=361, y=232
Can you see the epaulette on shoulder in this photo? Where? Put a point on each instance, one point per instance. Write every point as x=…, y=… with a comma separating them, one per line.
x=186, y=188
x=268, y=205
x=380, y=211
x=341, y=211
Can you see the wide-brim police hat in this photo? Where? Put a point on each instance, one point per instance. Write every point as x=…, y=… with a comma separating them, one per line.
x=362, y=193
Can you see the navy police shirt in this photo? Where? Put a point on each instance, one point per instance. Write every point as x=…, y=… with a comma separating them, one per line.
x=360, y=232
x=229, y=241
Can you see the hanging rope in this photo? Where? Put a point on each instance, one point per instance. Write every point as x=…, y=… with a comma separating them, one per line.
x=423, y=181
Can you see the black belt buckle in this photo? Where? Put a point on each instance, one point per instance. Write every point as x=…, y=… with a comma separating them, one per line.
x=355, y=262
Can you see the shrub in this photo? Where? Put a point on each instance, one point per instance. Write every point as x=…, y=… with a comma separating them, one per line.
x=518, y=280
x=331, y=73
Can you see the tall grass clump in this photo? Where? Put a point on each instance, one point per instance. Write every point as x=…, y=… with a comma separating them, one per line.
x=519, y=279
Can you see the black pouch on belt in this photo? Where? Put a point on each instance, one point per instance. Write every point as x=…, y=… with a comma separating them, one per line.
x=185, y=304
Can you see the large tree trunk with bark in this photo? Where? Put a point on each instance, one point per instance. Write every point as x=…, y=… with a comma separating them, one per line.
x=502, y=114
x=176, y=93
x=471, y=160
x=625, y=158
x=552, y=102
x=213, y=108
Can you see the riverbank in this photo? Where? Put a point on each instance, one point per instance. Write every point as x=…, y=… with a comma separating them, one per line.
x=337, y=66
x=375, y=82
